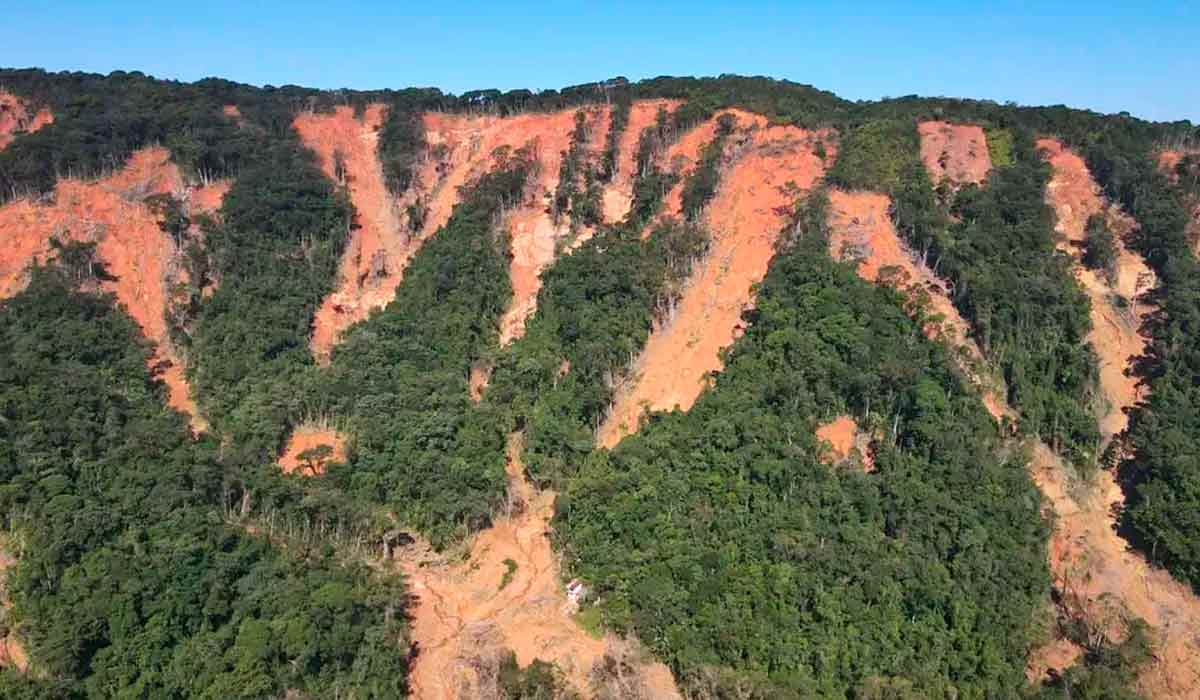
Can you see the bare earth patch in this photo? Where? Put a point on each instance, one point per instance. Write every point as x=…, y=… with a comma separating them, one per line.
x=846, y=442
x=957, y=152
x=770, y=166
x=15, y=118
x=303, y=453
x=112, y=213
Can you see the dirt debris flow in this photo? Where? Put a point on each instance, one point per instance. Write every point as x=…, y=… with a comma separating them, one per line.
x=505, y=592
x=954, y=152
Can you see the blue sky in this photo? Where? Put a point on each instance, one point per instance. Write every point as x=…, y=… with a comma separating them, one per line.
x=1143, y=58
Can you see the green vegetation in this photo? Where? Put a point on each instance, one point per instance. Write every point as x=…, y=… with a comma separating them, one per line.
x=510, y=570
x=722, y=539
x=702, y=185
x=132, y=575
x=995, y=244
x=1161, y=476
x=1100, y=248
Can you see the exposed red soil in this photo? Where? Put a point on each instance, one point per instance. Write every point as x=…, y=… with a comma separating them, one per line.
x=15, y=118
x=461, y=148
x=462, y=611
x=307, y=437
x=957, y=152
x=478, y=380
x=112, y=213
x=770, y=166
x=12, y=652
x=1095, y=569
x=846, y=441
x=379, y=247
x=681, y=159
x=618, y=194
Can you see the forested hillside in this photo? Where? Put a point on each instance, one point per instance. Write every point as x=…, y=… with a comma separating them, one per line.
x=684, y=388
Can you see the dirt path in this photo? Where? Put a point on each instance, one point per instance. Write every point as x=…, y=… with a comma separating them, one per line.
x=112, y=213
x=745, y=218
x=957, y=152
x=380, y=246
x=15, y=118
x=468, y=610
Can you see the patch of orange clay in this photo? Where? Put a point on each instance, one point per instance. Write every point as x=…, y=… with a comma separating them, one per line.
x=957, y=152
x=15, y=118
x=478, y=381
x=618, y=194
x=111, y=212
x=749, y=210
x=460, y=149
x=12, y=652
x=681, y=159
x=462, y=610
x=380, y=246
x=844, y=439
x=307, y=437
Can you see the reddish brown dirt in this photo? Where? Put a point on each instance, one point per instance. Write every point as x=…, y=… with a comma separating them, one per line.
x=957, y=152
x=461, y=148
x=618, y=195
x=681, y=158
x=379, y=248
x=306, y=437
x=1101, y=577
x=12, y=652
x=112, y=213
x=745, y=219
x=461, y=607
x=478, y=381
x=846, y=442
x=15, y=118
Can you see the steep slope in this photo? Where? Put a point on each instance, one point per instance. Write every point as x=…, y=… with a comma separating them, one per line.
x=379, y=249
x=461, y=144
x=618, y=193
x=1093, y=565
x=750, y=209
x=954, y=152
x=1096, y=574
x=506, y=592
x=113, y=213
x=15, y=118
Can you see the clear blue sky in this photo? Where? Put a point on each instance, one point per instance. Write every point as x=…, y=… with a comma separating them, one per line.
x=1140, y=57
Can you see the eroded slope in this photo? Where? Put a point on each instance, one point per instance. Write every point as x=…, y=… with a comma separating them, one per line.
x=751, y=207
x=112, y=212
x=378, y=248
x=506, y=593
x=957, y=152
x=618, y=193
x=15, y=118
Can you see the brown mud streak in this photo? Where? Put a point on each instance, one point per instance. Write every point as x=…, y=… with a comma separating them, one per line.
x=957, y=152
x=16, y=120
x=111, y=212
x=309, y=436
x=460, y=608
x=12, y=651
x=1091, y=563
x=845, y=439
x=745, y=218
